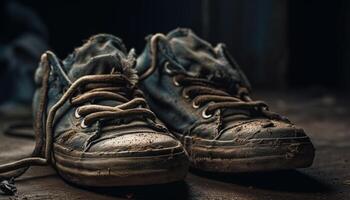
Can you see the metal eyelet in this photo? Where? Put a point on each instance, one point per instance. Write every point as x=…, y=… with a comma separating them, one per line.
x=82, y=124
x=166, y=68
x=194, y=105
x=76, y=114
x=177, y=84
x=205, y=115
x=184, y=95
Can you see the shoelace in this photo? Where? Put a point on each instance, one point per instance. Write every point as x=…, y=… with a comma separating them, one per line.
x=203, y=91
x=92, y=113
x=99, y=87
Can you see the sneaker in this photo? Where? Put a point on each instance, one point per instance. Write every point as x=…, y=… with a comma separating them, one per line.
x=93, y=123
x=202, y=96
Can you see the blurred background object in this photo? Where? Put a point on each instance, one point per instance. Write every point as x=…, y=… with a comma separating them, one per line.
x=22, y=40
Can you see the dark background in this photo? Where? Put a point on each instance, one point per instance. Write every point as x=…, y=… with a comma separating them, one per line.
x=279, y=43
x=299, y=49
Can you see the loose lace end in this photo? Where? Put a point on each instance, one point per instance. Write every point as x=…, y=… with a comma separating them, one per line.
x=8, y=187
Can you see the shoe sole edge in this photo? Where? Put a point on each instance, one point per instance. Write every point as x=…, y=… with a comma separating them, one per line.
x=121, y=171
x=253, y=156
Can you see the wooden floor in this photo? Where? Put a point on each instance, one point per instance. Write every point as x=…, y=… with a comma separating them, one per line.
x=325, y=116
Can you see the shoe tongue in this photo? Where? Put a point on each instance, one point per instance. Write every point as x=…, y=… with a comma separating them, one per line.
x=199, y=58
x=101, y=54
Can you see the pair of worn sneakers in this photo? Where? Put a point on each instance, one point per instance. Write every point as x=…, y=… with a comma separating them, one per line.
x=97, y=128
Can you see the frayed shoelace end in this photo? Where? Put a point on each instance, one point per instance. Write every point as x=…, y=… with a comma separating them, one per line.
x=8, y=187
